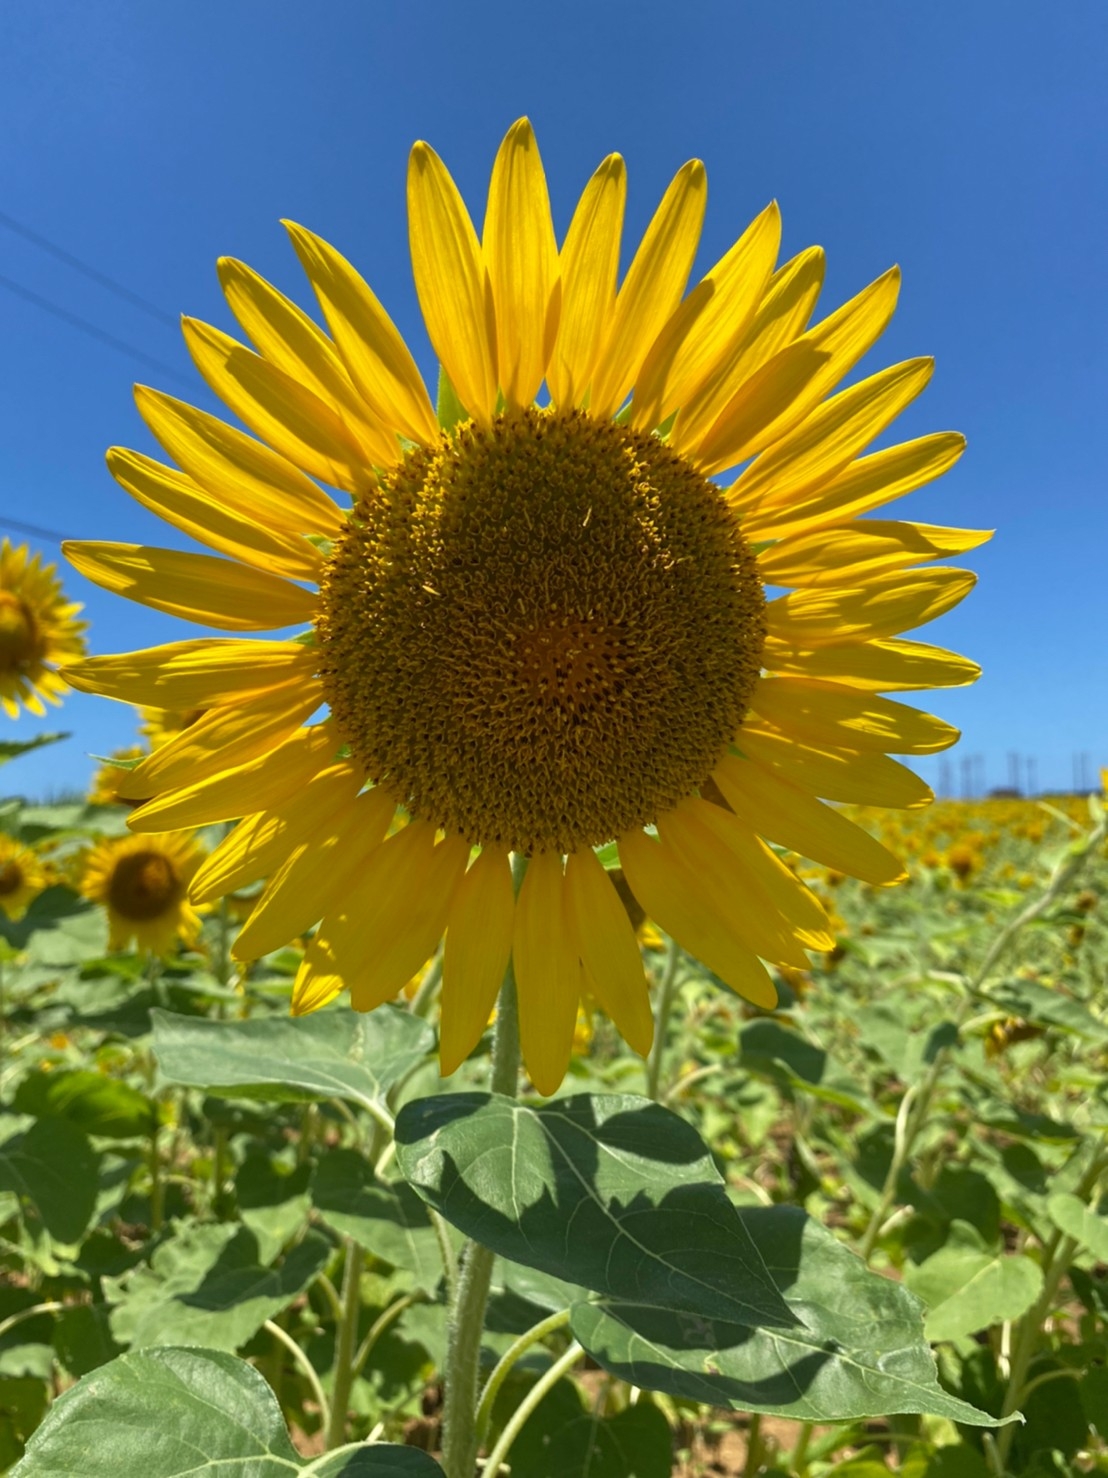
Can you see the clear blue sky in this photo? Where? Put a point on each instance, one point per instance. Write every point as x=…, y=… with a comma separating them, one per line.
x=966, y=142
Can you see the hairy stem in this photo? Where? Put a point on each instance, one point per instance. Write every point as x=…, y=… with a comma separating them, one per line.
x=345, y=1338
x=666, y=992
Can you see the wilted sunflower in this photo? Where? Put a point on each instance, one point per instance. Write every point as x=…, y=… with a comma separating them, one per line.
x=143, y=883
x=538, y=629
x=22, y=878
x=38, y=630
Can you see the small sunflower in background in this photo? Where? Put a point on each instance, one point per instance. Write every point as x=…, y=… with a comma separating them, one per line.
x=539, y=625
x=39, y=630
x=22, y=878
x=159, y=725
x=143, y=883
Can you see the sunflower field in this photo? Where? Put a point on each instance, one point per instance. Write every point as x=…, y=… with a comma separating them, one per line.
x=514, y=1011
x=230, y=1239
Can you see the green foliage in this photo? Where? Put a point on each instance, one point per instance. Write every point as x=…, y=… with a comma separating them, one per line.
x=186, y=1413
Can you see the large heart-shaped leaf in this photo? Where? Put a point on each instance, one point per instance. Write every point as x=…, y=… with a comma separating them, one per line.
x=332, y=1054
x=53, y=1166
x=206, y=1284
x=1086, y=1226
x=612, y=1192
x=968, y=1284
x=857, y=1349
x=390, y=1221
x=188, y=1413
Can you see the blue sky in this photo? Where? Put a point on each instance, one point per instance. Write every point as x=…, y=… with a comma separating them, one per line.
x=967, y=143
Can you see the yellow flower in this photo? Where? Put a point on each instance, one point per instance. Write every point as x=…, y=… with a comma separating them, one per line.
x=538, y=629
x=22, y=878
x=143, y=883
x=38, y=629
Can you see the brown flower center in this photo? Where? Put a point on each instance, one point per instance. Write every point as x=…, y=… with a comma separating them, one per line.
x=20, y=642
x=11, y=878
x=543, y=633
x=143, y=886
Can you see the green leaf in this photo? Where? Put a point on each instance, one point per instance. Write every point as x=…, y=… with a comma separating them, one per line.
x=968, y=1285
x=859, y=1352
x=563, y=1439
x=390, y=1221
x=11, y=749
x=273, y=1200
x=1035, y=1003
x=615, y=1193
x=59, y=928
x=188, y=1413
x=93, y=1101
x=1086, y=1226
x=206, y=1285
x=450, y=409
x=382, y=1460
x=56, y=1168
x=331, y=1054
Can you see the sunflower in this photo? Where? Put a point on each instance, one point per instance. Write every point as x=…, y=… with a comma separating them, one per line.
x=539, y=628
x=22, y=878
x=143, y=882
x=38, y=629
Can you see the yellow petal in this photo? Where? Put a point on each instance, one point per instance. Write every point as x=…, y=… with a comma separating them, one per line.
x=476, y=954
x=222, y=739
x=255, y=786
x=881, y=665
x=372, y=349
x=824, y=713
x=276, y=407
x=836, y=774
x=194, y=674
x=705, y=329
x=782, y=314
x=185, y=505
x=522, y=260
x=830, y=438
x=864, y=485
x=772, y=913
x=215, y=592
x=231, y=465
x=393, y=918
x=289, y=339
x=601, y=933
x=260, y=843
x=861, y=549
x=316, y=872
x=452, y=283
x=792, y=817
x=652, y=288
x=671, y=892
x=317, y=981
x=589, y=266
x=548, y=972
x=825, y=354
x=883, y=606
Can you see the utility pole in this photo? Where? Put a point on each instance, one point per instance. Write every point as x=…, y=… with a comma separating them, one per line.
x=1013, y=771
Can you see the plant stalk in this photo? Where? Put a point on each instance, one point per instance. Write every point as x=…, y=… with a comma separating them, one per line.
x=666, y=993
x=467, y=1316
x=345, y=1339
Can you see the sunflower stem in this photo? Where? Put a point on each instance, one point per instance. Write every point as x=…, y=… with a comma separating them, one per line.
x=467, y=1315
x=666, y=993
x=346, y=1337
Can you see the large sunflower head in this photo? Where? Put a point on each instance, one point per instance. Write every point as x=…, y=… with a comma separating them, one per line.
x=22, y=878
x=38, y=631
x=641, y=605
x=143, y=882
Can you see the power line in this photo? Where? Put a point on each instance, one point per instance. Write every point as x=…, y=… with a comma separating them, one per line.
x=75, y=321
x=50, y=535
x=91, y=272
